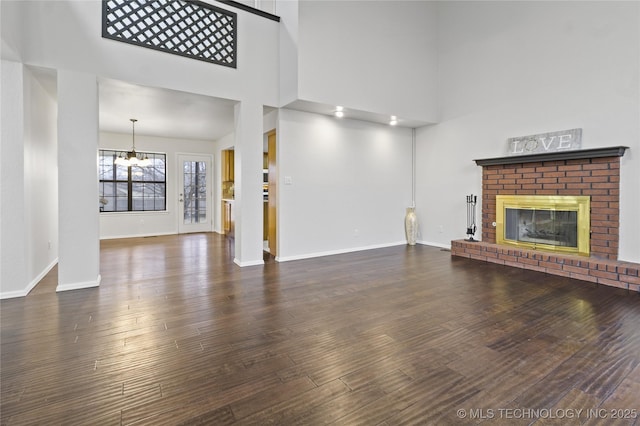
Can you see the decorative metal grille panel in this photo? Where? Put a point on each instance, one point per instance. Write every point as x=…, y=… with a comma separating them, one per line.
x=188, y=28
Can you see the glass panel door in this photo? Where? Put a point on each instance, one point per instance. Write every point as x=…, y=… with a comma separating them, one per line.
x=194, y=199
x=554, y=227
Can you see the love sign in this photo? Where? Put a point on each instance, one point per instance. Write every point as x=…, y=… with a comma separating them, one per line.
x=565, y=140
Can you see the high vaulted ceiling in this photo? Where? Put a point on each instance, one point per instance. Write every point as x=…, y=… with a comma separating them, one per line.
x=163, y=112
x=181, y=115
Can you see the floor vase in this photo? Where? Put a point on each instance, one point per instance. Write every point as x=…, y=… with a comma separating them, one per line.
x=411, y=226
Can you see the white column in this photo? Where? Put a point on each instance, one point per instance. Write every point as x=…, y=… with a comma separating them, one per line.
x=248, y=204
x=13, y=270
x=79, y=225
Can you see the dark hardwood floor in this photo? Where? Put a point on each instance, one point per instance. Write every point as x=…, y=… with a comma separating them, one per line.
x=178, y=335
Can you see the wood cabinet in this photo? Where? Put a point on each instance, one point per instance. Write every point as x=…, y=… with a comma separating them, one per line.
x=265, y=221
x=227, y=165
x=228, y=225
x=228, y=185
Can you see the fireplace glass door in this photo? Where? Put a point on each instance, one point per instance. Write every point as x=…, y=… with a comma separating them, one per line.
x=553, y=227
x=552, y=223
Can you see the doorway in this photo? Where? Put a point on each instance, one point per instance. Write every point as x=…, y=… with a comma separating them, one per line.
x=272, y=194
x=195, y=186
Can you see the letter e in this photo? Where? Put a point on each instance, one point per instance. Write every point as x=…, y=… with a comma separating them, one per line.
x=565, y=141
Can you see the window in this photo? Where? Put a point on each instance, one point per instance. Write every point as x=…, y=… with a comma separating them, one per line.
x=129, y=189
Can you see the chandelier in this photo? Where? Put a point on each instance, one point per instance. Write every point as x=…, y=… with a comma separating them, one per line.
x=132, y=158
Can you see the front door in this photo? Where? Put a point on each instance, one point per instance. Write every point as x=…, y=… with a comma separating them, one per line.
x=194, y=193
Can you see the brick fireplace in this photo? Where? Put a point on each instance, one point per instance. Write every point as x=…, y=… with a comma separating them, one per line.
x=594, y=173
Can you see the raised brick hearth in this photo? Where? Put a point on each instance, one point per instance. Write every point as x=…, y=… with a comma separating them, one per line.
x=597, y=177
x=608, y=272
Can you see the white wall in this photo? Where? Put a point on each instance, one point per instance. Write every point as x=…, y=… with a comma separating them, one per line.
x=288, y=54
x=137, y=224
x=517, y=68
x=29, y=180
x=11, y=22
x=41, y=177
x=350, y=184
x=78, y=221
x=13, y=270
x=377, y=56
x=248, y=202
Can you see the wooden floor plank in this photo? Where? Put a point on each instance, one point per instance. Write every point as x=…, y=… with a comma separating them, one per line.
x=178, y=334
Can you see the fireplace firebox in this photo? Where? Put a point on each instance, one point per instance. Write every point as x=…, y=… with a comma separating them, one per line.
x=540, y=222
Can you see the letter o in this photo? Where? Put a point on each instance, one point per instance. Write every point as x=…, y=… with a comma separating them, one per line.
x=531, y=145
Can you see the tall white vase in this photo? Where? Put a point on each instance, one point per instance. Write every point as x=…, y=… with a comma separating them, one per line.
x=411, y=226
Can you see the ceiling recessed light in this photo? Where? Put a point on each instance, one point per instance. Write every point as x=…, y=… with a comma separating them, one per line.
x=339, y=108
x=339, y=114
x=394, y=120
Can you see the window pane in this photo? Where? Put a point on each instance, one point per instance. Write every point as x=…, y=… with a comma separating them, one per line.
x=122, y=193
x=108, y=189
x=195, y=192
x=106, y=196
x=143, y=174
x=137, y=192
x=121, y=190
x=148, y=196
x=159, y=168
x=122, y=172
x=121, y=205
x=137, y=174
x=106, y=171
x=110, y=205
x=158, y=190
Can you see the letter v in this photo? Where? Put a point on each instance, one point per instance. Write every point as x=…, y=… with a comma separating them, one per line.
x=547, y=145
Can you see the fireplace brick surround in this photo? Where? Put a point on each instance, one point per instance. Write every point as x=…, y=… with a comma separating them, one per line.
x=598, y=178
x=595, y=174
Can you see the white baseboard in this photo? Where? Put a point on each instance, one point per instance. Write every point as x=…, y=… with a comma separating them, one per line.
x=13, y=294
x=251, y=263
x=80, y=285
x=341, y=251
x=429, y=243
x=155, y=234
x=41, y=275
x=32, y=284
